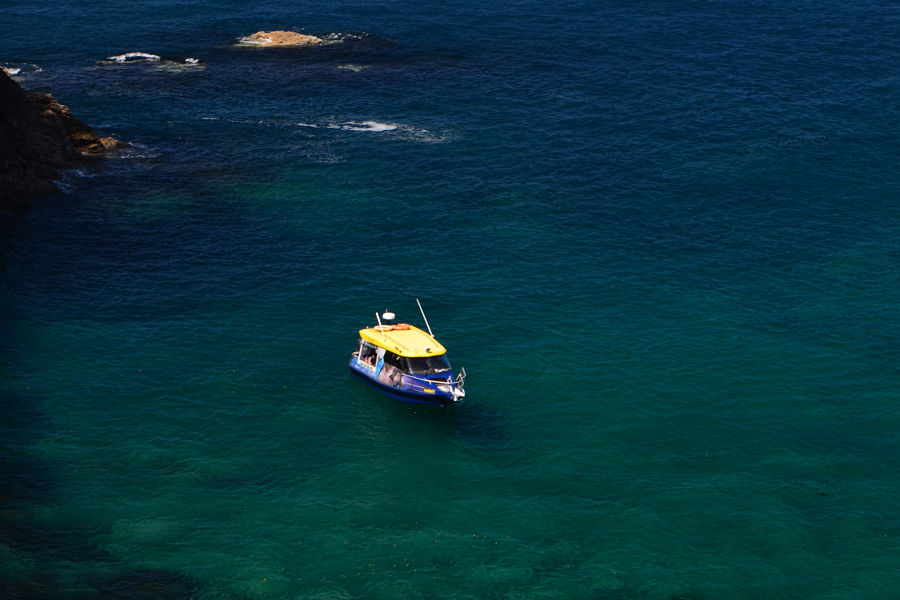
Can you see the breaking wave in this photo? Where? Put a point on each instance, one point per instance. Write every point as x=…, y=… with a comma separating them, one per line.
x=20, y=69
x=131, y=150
x=373, y=126
x=152, y=60
x=340, y=37
x=134, y=57
x=399, y=130
x=395, y=130
x=329, y=127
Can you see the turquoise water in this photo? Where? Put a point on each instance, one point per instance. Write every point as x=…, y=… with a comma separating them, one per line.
x=662, y=238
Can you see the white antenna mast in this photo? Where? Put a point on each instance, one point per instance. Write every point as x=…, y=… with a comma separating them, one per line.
x=380, y=327
x=424, y=317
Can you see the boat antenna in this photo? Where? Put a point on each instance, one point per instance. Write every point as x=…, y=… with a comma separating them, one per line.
x=424, y=317
x=380, y=327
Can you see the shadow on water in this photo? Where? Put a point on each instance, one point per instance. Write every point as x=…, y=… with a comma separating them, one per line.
x=633, y=593
x=27, y=482
x=474, y=424
x=45, y=547
x=470, y=423
x=145, y=584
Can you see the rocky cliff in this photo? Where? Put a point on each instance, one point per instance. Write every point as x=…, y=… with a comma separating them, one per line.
x=39, y=139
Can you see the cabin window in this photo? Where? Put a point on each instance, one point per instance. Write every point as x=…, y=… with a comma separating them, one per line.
x=427, y=365
x=367, y=353
x=393, y=360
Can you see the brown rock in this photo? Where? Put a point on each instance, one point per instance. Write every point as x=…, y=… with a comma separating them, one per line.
x=281, y=38
x=39, y=138
x=111, y=143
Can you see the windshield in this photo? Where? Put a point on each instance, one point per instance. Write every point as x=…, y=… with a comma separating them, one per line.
x=428, y=365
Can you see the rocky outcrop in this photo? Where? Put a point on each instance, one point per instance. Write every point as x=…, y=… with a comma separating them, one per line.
x=39, y=138
x=280, y=38
x=111, y=144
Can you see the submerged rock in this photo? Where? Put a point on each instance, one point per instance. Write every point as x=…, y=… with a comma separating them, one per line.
x=280, y=38
x=354, y=68
x=39, y=139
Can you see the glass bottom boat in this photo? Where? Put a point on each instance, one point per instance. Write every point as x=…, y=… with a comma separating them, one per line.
x=406, y=363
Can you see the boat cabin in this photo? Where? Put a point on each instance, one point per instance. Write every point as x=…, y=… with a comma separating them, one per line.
x=414, y=365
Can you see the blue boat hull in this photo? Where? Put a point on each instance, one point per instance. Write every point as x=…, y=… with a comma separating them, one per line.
x=398, y=393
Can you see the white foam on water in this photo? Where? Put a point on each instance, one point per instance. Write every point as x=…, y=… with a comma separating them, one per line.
x=20, y=69
x=373, y=126
x=134, y=57
x=132, y=150
x=170, y=66
x=247, y=40
x=340, y=37
x=68, y=179
x=395, y=130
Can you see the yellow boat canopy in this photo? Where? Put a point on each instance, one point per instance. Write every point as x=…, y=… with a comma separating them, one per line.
x=411, y=342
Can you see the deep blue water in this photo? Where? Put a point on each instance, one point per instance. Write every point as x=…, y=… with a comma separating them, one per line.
x=663, y=239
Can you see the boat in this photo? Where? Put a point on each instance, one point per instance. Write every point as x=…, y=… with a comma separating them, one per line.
x=406, y=363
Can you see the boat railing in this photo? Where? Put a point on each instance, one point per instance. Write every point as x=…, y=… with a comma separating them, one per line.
x=458, y=382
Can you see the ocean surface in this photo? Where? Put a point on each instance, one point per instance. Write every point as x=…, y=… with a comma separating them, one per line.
x=662, y=237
